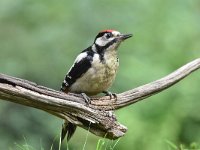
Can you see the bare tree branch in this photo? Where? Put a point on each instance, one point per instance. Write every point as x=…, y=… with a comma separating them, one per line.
x=97, y=116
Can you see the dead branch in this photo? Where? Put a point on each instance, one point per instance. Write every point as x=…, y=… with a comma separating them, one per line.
x=99, y=114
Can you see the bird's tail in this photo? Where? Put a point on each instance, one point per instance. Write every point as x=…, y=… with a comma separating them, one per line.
x=68, y=129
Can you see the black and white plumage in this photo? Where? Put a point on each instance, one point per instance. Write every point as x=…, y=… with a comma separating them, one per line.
x=94, y=69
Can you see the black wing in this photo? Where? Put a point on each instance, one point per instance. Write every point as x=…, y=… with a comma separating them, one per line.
x=81, y=65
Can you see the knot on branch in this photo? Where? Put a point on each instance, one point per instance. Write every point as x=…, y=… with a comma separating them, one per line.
x=97, y=117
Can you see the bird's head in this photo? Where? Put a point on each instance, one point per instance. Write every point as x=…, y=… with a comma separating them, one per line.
x=110, y=39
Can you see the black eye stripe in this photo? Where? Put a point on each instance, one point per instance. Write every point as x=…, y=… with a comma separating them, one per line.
x=108, y=35
x=102, y=34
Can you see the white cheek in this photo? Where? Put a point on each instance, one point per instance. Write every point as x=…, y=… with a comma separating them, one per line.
x=101, y=41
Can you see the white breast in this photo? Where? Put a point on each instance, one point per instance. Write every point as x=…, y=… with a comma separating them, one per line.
x=99, y=77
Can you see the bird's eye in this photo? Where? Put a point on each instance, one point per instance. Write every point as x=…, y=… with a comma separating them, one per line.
x=108, y=35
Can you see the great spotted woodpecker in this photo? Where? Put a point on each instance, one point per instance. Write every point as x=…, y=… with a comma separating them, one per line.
x=93, y=71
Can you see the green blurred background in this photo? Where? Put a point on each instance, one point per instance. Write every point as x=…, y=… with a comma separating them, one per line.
x=39, y=41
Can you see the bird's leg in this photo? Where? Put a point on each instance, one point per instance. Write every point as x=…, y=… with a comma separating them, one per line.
x=86, y=98
x=112, y=95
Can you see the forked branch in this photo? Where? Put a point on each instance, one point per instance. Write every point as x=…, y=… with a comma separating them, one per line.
x=97, y=116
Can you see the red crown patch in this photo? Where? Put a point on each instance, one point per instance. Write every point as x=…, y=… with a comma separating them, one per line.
x=107, y=30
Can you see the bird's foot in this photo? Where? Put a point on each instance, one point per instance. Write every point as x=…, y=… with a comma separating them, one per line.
x=112, y=95
x=86, y=98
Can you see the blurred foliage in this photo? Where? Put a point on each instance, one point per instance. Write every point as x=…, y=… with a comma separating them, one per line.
x=172, y=146
x=40, y=39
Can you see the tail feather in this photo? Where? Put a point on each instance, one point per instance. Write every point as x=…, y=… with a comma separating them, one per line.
x=68, y=129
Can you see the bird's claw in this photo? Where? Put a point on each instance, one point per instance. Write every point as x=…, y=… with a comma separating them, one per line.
x=112, y=95
x=86, y=98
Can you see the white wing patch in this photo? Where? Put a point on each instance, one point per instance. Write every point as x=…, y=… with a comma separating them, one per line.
x=80, y=57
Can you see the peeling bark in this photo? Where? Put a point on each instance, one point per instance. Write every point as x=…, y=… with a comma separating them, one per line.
x=98, y=116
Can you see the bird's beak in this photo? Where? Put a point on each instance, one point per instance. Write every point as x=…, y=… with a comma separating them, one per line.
x=125, y=36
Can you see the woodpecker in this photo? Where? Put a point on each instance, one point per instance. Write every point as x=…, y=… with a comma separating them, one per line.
x=93, y=71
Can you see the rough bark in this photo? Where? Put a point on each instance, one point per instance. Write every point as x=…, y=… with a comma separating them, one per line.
x=98, y=116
